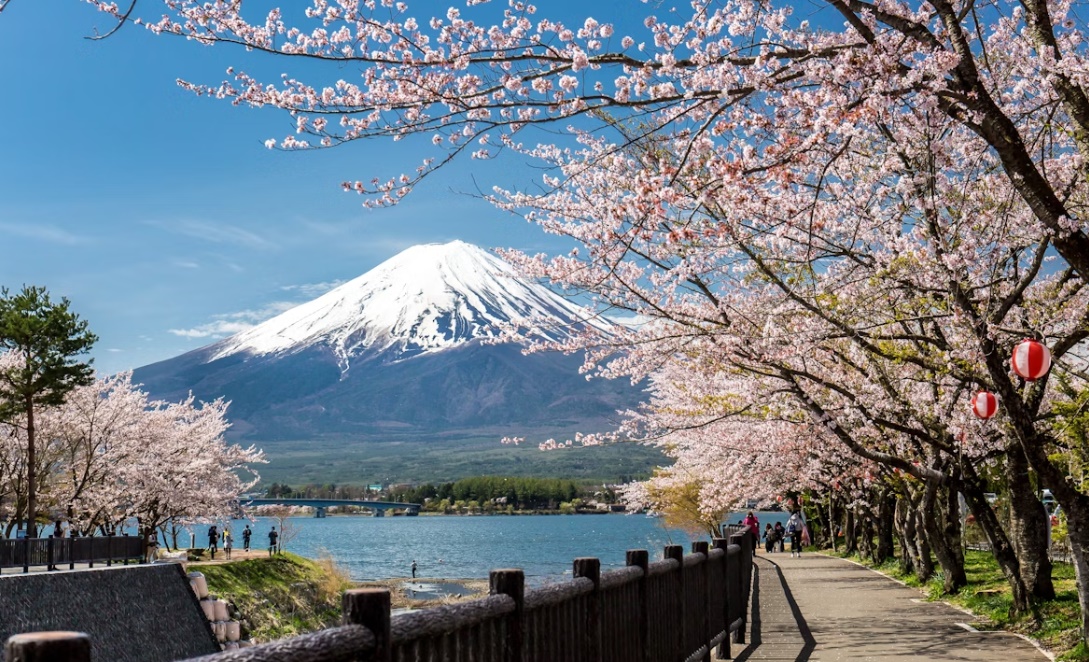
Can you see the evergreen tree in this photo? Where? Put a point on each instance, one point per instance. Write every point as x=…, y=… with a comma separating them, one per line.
x=46, y=338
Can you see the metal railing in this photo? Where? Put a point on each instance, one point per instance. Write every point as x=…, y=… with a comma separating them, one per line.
x=55, y=552
x=679, y=609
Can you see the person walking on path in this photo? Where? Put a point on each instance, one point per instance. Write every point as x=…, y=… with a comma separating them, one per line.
x=272, y=538
x=228, y=543
x=213, y=540
x=795, y=527
x=753, y=525
x=414, y=568
x=246, y=534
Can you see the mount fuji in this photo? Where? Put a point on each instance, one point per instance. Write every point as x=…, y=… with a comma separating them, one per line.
x=401, y=352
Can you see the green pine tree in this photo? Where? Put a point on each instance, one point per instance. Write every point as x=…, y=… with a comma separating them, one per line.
x=47, y=338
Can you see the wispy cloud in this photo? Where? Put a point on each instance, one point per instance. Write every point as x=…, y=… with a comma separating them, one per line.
x=313, y=290
x=47, y=233
x=218, y=233
x=186, y=264
x=229, y=324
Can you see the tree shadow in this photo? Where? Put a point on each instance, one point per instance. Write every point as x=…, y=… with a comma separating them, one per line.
x=809, y=643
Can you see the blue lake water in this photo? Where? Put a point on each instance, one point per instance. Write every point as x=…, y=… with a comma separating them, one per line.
x=461, y=547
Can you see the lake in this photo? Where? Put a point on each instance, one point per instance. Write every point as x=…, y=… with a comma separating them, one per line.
x=464, y=547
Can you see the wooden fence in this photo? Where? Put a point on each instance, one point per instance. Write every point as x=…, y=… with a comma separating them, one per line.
x=679, y=609
x=55, y=552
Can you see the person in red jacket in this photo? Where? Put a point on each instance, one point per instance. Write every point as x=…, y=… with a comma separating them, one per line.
x=753, y=526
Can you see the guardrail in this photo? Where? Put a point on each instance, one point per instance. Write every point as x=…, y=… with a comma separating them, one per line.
x=55, y=552
x=675, y=610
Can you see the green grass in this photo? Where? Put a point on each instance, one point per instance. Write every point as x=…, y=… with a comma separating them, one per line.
x=359, y=463
x=281, y=596
x=988, y=597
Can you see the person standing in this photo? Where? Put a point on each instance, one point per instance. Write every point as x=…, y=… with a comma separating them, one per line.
x=794, y=528
x=414, y=568
x=228, y=543
x=780, y=535
x=246, y=534
x=753, y=526
x=273, y=537
x=213, y=540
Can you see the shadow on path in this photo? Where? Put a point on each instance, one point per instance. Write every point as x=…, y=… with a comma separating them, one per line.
x=803, y=635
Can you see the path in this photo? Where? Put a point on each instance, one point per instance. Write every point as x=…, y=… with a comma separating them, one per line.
x=821, y=608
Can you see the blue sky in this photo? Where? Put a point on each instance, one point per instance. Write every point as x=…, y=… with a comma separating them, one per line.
x=162, y=216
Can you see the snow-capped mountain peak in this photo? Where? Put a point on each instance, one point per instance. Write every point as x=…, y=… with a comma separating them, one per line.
x=425, y=299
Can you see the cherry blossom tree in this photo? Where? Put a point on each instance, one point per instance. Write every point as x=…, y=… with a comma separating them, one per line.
x=852, y=212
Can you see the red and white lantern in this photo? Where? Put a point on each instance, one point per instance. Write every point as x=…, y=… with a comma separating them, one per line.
x=1031, y=359
x=984, y=404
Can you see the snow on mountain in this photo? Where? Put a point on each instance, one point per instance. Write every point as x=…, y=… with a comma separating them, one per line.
x=426, y=299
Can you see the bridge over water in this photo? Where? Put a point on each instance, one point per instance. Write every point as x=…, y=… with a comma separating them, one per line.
x=379, y=508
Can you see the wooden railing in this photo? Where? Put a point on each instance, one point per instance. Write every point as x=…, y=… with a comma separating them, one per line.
x=55, y=552
x=679, y=609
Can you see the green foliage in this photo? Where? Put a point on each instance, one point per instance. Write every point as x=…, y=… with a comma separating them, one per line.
x=353, y=462
x=281, y=596
x=518, y=493
x=47, y=337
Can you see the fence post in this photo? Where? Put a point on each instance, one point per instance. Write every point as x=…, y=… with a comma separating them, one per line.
x=512, y=582
x=109, y=550
x=702, y=547
x=744, y=541
x=590, y=568
x=640, y=558
x=71, y=542
x=724, y=647
x=370, y=607
x=676, y=552
x=48, y=646
x=26, y=555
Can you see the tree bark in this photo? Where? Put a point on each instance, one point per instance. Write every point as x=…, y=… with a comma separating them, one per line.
x=1001, y=548
x=1028, y=528
x=850, y=532
x=885, y=509
x=905, y=529
x=31, y=477
x=933, y=519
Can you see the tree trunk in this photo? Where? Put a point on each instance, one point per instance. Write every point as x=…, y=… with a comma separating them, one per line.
x=850, y=532
x=885, y=510
x=1028, y=528
x=31, y=503
x=904, y=517
x=865, y=538
x=832, y=520
x=1081, y=574
x=933, y=520
x=1001, y=548
x=954, y=532
x=924, y=561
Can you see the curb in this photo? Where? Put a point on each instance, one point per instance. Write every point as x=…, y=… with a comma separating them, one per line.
x=1035, y=644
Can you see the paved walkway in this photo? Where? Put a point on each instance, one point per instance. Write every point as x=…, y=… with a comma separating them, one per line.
x=820, y=608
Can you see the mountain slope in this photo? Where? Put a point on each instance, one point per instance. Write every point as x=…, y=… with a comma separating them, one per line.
x=399, y=352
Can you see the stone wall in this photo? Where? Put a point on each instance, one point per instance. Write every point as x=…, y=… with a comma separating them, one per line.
x=132, y=613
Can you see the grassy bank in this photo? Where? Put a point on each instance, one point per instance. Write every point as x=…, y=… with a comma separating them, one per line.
x=988, y=597
x=281, y=596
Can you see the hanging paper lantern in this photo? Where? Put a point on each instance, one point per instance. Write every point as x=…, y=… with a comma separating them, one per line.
x=984, y=405
x=1031, y=359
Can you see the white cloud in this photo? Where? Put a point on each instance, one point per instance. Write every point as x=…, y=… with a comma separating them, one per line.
x=46, y=233
x=313, y=290
x=229, y=324
x=217, y=233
